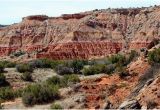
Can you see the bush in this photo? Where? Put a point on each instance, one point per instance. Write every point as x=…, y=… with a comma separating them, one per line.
x=117, y=59
x=62, y=70
x=123, y=72
x=69, y=79
x=1, y=67
x=44, y=63
x=108, y=69
x=39, y=93
x=19, y=53
x=154, y=56
x=36, y=63
x=55, y=80
x=77, y=65
x=6, y=93
x=132, y=55
x=22, y=68
x=2, y=79
x=94, y=69
x=56, y=106
x=8, y=64
x=27, y=76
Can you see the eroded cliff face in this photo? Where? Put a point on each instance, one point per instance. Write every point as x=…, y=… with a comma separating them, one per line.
x=102, y=32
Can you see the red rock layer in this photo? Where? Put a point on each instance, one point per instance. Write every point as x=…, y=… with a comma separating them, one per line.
x=80, y=50
x=133, y=28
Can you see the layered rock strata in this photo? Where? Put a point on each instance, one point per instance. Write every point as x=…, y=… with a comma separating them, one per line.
x=100, y=31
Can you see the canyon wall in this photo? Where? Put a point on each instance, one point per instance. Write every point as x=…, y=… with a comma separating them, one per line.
x=102, y=32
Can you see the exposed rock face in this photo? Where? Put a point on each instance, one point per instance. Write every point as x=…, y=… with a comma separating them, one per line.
x=100, y=31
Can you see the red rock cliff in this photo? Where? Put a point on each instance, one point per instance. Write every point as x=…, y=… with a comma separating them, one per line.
x=83, y=35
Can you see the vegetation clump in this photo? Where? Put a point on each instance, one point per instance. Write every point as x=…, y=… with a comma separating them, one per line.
x=27, y=76
x=6, y=93
x=154, y=56
x=2, y=79
x=56, y=106
x=22, y=68
x=39, y=93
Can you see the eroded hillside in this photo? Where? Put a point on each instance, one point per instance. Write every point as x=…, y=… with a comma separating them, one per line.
x=83, y=35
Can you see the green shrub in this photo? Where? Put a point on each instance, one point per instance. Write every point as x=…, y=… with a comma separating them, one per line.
x=77, y=65
x=27, y=76
x=8, y=64
x=2, y=79
x=56, y=106
x=94, y=69
x=19, y=53
x=123, y=72
x=55, y=80
x=69, y=79
x=1, y=67
x=39, y=93
x=108, y=69
x=6, y=93
x=44, y=63
x=154, y=56
x=62, y=70
x=22, y=68
x=132, y=55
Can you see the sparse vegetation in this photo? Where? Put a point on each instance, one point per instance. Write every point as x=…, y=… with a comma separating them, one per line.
x=62, y=70
x=2, y=79
x=22, y=68
x=55, y=80
x=6, y=93
x=8, y=64
x=19, y=53
x=27, y=76
x=69, y=79
x=154, y=56
x=56, y=106
x=39, y=93
x=1, y=67
x=122, y=72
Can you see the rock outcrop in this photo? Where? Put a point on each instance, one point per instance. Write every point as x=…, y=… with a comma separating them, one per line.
x=83, y=35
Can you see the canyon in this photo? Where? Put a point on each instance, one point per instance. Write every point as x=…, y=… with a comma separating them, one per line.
x=83, y=35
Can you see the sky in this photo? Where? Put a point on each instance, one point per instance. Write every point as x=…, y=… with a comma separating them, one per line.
x=12, y=11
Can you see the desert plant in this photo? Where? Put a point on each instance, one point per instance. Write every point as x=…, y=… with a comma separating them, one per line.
x=123, y=72
x=62, y=70
x=108, y=69
x=39, y=93
x=154, y=56
x=56, y=106
x=2, y=67
x=8, y=64
x=6, y=93
x=22, y=68
x=55, y=80
x=69, y=79
x=19, y=53
x=27, y=76
x=2, y=79
x=94, y=69
x=77, y=65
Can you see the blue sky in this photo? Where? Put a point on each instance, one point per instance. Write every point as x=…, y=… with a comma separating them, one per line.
x=12, y=11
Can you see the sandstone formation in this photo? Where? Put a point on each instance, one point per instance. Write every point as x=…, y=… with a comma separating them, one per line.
x=83, y=35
